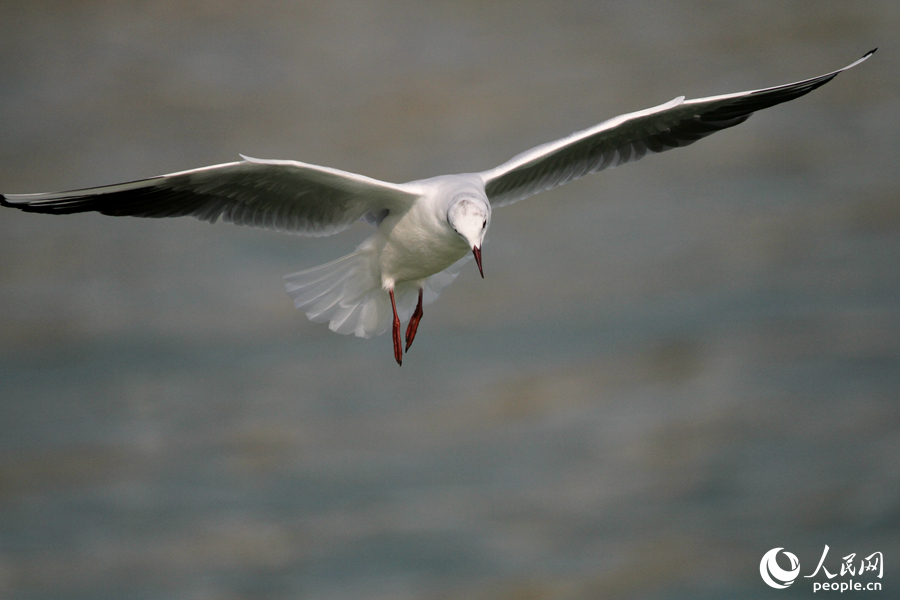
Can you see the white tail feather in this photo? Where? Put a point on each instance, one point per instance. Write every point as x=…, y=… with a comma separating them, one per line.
x=347, y=293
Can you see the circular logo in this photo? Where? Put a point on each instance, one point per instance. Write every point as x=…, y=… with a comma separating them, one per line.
x=774, y=575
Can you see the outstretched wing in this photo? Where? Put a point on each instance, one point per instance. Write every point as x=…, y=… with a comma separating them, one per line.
x=631, y=136
x=283, y=195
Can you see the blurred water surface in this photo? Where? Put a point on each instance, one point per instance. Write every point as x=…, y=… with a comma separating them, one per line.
x=670, y=368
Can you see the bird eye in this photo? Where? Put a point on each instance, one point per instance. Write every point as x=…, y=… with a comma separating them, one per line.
x=484, y=224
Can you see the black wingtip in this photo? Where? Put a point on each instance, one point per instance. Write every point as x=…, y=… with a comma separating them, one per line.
x=869, y=53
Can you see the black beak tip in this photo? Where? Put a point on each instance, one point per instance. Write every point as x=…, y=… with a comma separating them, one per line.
x=477, y=252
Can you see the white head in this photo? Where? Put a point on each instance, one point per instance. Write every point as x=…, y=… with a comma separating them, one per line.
x=470, y=217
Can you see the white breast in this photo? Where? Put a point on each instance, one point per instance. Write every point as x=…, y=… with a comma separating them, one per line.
x=418, y=245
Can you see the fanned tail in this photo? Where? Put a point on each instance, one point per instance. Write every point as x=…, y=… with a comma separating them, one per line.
x=347, y=294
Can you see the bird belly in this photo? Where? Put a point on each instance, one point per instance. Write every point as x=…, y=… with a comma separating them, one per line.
x=413, y=253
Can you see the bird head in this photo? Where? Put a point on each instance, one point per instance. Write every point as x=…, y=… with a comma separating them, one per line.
x=470, y=217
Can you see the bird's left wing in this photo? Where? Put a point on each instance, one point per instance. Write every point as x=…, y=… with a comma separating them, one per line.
x=282, y=195
x=631, y=136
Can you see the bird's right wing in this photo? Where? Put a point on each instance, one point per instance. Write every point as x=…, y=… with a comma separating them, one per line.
x=282, y=195
x=630, y=137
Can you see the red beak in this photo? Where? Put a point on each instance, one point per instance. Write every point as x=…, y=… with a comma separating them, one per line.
x=477, y=252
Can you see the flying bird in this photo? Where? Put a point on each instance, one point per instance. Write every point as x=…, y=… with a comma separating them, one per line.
x=425, y=230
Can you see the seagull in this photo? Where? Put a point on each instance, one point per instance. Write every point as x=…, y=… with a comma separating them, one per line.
x=425, y=230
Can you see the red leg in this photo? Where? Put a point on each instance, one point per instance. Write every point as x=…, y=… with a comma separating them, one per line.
x=414, y=323
x=395, y=332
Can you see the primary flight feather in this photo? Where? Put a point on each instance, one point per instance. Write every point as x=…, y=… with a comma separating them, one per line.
x=425, y=229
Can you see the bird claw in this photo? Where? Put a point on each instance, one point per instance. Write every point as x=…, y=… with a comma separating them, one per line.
x=413, y=325
x=395, y=332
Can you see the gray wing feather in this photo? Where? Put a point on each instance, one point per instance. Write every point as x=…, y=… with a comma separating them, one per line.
x=630, y=137
x=281, y=195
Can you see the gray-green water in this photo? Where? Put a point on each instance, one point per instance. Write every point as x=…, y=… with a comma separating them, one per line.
x=670, y=368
